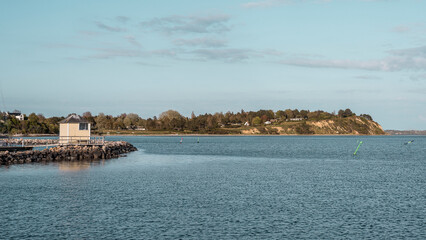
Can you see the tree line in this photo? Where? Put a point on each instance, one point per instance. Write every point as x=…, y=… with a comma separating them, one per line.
x=170, y=120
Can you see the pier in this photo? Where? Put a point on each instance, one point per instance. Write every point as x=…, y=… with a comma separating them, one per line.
x=22, y=143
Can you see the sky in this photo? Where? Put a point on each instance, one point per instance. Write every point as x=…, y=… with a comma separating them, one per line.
x=145, y=57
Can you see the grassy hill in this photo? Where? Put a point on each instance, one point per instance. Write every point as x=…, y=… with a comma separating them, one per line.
x=353, y=125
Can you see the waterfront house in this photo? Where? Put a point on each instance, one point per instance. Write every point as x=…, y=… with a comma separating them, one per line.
x=74, y=130
x=268, y=123
x=246, y=124
x=17, y=114
x=296, y=119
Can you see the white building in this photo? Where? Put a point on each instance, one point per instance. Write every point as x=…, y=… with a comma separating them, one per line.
x=296, y=119
x=17, y=114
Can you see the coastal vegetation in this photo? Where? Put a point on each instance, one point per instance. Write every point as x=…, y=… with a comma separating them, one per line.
x=172, y=122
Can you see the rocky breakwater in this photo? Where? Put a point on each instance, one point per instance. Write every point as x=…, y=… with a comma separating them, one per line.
x=68, y=153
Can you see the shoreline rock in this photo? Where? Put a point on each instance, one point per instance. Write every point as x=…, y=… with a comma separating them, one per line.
x=68, y=153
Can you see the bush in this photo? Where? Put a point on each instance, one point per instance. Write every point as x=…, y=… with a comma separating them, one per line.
x=304, y=128
x=366, y=116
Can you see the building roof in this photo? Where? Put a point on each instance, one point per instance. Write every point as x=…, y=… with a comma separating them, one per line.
x=14, y=113
x=74, y=118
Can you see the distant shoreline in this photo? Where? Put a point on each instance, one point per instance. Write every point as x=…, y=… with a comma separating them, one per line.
x=387, y=133
x=248, y=135
x=406, y=132
x=227, y=135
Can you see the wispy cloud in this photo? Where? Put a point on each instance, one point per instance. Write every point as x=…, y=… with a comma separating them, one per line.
x=420, y=77
x=345, y=64
x=231, y=54
x=272, y=3
x=109, y=53
x=89, y=33
x=206, y=41
x=398, y=60
x=201, y=42
x=412, y=27
x=62, y=45
x=368, y=77
x=421, y=91
x=417, y=52
x=189, y=24
x=401, y=29
x=265, y=3
x=228, y=55
x=356, y=91
x=170, y=53
x=221, y=54
x=122, y=19
x=132, y=40
x=150, y=64
x=109, y=28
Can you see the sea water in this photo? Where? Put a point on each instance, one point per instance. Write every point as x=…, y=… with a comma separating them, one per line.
x=254, y=187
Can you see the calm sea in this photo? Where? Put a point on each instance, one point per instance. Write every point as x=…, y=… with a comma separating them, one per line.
x=277, y=187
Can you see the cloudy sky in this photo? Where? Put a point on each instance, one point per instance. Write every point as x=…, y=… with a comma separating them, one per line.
x=146, y=57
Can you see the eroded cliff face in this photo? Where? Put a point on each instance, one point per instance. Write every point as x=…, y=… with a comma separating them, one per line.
x=351, y=125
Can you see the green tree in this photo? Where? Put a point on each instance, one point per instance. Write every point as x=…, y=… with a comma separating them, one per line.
x=289, y=113
x=101, y=121
x=118, y=124
x=88, y=116
x=127, y=123
x=280, y=114
x=170, y=114
x=345, y=113
x=366, y=116
x=256, y=121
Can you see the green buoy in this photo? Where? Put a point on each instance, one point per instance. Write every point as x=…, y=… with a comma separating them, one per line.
x=357, y=148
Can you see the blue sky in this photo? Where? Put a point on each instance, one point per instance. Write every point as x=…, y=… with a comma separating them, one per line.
x=146, y=57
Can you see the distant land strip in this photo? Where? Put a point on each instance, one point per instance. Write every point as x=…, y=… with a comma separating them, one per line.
x=406, y=132
x=262, y=122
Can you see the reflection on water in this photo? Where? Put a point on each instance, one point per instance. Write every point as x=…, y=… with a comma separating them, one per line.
x=78, y=166
x=62, y=166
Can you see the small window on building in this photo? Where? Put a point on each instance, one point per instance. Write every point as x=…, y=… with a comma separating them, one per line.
x=84, y=126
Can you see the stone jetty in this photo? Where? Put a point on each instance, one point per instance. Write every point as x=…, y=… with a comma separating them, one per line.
x=68, y=153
